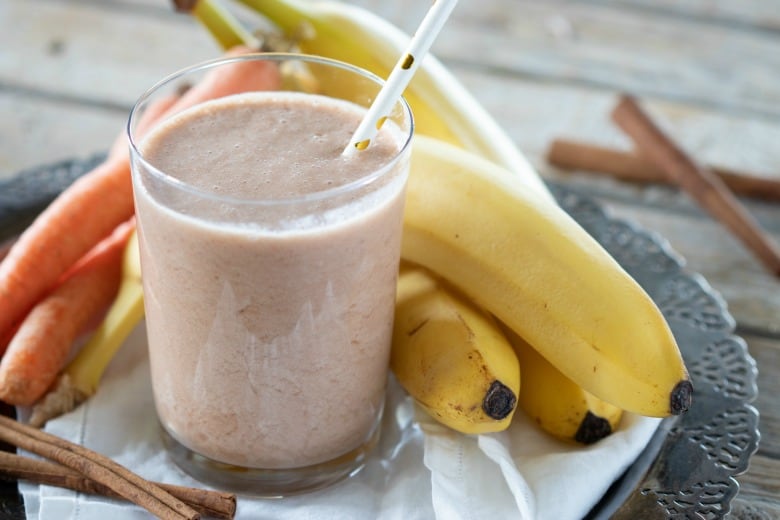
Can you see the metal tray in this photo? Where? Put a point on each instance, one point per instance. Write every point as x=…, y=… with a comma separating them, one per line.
x=688, y=468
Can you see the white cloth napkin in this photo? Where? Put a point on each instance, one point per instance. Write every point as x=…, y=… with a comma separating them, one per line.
x=420, y=470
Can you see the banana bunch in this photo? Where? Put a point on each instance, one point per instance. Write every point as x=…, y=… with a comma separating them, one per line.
x=443, y=108
x=79, y=379
x=527, y=262
x=465, y=368
x=451, y=356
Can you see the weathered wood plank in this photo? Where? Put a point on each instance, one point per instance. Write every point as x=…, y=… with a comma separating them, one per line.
x=96, y=55
x=750, y=14
x=603, y=45
x=761, y=14
x=35, y=131
x=761, y=480
x=751, y=508
x=598, y=45
x=79, y=59
x=535, y=113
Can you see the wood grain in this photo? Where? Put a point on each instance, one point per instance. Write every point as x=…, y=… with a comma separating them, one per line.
x=37, y=131
x=746, y=14
x=759, y=487
x=94, y=55
x=647, y=53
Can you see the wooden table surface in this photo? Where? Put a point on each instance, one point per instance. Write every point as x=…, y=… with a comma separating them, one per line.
x=707, y=70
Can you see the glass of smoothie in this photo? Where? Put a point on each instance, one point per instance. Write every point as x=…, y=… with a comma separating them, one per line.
x=269, y=263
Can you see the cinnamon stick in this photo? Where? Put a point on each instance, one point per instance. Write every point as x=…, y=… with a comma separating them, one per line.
x=17, y=467
x=98, y=468
x=700, y=183
x=625, y=165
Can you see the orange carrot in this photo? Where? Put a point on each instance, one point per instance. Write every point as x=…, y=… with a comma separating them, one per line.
x=151, y=116
x=40, y=347
x=237, y=78
x=95, y=204
x=74, y=222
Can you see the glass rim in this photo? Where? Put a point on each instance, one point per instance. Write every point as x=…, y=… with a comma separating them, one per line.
x=315, y=196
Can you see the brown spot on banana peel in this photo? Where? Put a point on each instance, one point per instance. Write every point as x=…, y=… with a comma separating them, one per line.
x=681, y=397
x=499, y=401
x=417, y=328
x=466, y=326
x=592, y=429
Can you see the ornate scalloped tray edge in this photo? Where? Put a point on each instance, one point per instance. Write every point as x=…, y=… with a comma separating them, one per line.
x=688, y=468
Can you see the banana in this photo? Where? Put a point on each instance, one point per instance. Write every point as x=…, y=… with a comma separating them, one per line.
x=451, y=356
x=556, y=403
x=526, y=261
x=225, y=28
x=443, y=108
x=79, y=379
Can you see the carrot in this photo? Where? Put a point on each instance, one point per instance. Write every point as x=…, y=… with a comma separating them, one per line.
x=75, y=221
x=40, y=347
x=237, y=78
x=95, y=204
x=151, y=116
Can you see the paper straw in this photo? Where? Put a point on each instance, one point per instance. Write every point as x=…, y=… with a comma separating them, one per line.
x=401, y=75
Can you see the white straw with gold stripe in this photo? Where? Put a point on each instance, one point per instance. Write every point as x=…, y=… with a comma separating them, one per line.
x=401, y=75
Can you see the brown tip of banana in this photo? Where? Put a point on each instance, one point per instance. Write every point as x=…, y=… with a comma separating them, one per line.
x=592, y=429
x=681, y=397
x=499, y=401
x=184, y=6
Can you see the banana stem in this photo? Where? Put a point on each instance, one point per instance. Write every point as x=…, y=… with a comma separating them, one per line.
x=287, y=14
x=223, y=26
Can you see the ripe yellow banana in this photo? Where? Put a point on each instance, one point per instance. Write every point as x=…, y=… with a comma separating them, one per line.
x=442, y=107
x=451, y=356
x=556, y=403
x=79, y=379
x=525, y=260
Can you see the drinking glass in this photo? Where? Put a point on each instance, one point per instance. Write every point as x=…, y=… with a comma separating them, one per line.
x=269, y=319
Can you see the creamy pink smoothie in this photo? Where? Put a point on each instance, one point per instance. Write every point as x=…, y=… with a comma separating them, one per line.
x=270, y=334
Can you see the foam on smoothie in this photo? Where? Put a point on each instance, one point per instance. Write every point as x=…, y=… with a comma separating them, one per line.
x=305, y=164
x=271, y=343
